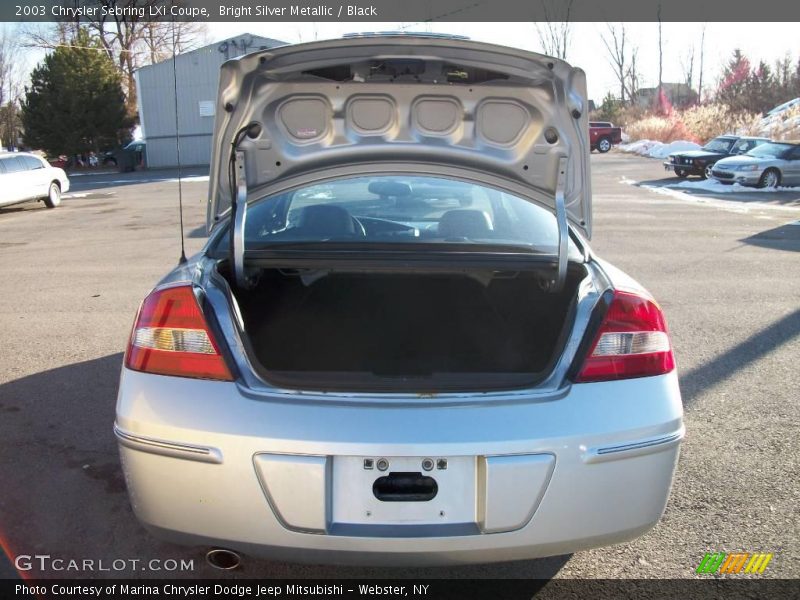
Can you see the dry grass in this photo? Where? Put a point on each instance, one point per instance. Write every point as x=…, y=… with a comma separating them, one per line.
x=702, y=123
x=710, y=120
x=660, y=129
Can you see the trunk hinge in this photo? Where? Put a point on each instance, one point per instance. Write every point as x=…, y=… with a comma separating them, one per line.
x=563, y=228
x=239, y=210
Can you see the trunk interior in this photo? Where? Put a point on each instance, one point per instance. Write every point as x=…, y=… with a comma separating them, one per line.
x=390, y=331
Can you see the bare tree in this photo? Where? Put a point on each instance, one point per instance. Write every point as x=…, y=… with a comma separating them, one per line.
x=8, y=61
x=159, y=43
x=659, y=93
x=10, y=88
x=702, y=53
x=687, y=65
x=620, y=54
x=554, y=35
x=121, y=35
x=632, y=75
x=129, y=41
x=48, y=35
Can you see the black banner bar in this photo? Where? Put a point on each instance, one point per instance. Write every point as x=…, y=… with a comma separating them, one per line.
x=752, y=588
x=403, y=10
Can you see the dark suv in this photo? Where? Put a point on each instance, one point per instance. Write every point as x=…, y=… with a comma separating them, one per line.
x=699, y=162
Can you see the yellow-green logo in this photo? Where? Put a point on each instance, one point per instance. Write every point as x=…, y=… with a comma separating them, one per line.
x=734, y=562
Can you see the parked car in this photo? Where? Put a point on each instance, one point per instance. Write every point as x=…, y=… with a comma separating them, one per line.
x=61, y=162
x=109, y=158
x=138, y=148
x=603, y=135
x=397, y=345
x=766, y=166
x=25, y=176
x=133, y=155
x=700, y=162
x=128, y=157
x=106, y=158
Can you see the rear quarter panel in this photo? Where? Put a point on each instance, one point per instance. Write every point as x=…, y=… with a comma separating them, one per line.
x=619, y=279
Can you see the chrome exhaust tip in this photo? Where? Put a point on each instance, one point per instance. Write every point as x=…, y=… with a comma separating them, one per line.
x=225, y=560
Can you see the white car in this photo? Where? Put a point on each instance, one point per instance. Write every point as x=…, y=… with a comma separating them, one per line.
x=26, y=176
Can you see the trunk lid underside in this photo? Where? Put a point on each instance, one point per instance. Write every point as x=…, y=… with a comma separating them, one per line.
x=502, y=117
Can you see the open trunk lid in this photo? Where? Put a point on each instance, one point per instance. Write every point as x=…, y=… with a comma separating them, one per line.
x=453, y=108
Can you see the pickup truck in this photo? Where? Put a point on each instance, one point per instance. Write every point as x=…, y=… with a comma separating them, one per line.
x=603, y=135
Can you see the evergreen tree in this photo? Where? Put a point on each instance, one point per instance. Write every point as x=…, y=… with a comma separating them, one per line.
x=732, y=89
x=75, y=101
x=763, y=91
x=783, y=77
x=611, y=108
x=795, y=85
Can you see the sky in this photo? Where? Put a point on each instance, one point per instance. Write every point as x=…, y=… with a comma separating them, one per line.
x=759, y=41
x=767, y=41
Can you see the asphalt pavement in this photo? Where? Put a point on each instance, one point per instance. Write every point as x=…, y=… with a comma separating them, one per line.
x=724, y=267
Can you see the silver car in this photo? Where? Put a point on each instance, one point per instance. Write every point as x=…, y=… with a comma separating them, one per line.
x=766, y=166
x=397, y=346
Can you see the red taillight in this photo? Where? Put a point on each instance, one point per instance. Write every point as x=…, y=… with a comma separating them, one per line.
x=632, y=342
x=171, y=337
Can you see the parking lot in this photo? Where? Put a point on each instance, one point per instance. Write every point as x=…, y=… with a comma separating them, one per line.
x=725, y=268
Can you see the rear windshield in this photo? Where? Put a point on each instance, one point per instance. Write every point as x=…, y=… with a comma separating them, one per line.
x=770, y=150
x=401, y=210
x=719, y=145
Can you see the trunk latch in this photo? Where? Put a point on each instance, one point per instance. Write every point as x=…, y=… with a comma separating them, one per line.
x=405, y=487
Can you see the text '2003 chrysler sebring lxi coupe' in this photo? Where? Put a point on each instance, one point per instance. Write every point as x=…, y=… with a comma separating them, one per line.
x=396, y=346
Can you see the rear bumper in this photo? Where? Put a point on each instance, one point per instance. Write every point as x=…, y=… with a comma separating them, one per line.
x=193, y=454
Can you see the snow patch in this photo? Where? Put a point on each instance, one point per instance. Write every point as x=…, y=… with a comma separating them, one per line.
x=653, y=149
x=782, y=122
x=188, y=179
x=717, y=187
x=727, y=205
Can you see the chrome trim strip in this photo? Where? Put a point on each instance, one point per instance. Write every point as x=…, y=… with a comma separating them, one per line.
x=635, y=448
x=165, y=448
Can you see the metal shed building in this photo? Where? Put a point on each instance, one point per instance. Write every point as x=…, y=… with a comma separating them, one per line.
x=197, y=78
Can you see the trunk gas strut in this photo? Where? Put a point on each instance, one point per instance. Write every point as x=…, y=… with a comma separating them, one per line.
x=563, y=229
x=239, y=216
x=239, y=203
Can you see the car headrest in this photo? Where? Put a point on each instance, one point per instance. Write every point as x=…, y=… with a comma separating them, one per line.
x=465, y=223
x=326, y=220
